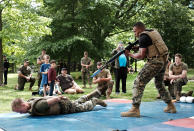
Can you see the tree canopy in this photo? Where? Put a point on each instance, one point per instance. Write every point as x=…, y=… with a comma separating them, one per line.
x=67, y=28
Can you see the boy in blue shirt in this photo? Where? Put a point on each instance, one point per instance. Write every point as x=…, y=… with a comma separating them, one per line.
x=44, y=71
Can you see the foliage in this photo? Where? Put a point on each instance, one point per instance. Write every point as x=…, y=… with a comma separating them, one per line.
x=174, y=22
x=21, y=25
x=91, y=20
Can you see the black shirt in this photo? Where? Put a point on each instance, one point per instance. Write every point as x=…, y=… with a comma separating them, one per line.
x=6, y=64
x=145, y=40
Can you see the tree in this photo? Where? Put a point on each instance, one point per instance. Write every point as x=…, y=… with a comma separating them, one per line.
x=174, y=21
x=20, y=24
x=84, y=25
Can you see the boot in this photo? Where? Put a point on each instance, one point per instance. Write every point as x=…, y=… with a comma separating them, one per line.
x=158, y=97
x=178, y=95
x=100, y=102
x=133, y=112
x=170, y=108
x=93, y=94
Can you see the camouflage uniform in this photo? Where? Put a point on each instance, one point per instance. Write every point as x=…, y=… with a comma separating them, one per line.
x=104, y=88
x=178, y=83
x=167, y=82
x=86, y=72
x=40, y=107
x=26, y=71
x=157, y=54
x=39, y=75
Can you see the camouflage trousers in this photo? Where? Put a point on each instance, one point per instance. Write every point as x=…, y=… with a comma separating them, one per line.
x=84, y=75
x=39, y=78
x=152, y=69
x=177, y=85
x=80, y=105
x=170, y=87
x=22, y=82
x=105, y=89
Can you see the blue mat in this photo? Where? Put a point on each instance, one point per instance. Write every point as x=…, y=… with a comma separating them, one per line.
x=101, y=119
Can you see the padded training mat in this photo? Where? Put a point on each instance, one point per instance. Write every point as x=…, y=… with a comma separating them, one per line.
x=106, y=119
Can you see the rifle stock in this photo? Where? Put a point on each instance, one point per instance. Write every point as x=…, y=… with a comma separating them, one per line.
x=129, y=47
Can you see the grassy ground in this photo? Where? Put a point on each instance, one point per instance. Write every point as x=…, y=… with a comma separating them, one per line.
x=7, y=93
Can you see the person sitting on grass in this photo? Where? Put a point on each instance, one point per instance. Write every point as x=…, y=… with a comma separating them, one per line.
x=54, y=105
x=24, y=75
x=68, y=85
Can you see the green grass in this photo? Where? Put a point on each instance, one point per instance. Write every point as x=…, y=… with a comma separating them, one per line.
x=7, y=93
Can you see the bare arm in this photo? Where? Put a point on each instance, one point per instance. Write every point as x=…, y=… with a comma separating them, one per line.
x=95, y=80
x=183, y=75
x=90, y=64
x=21, y=75
x=140, y=55
x=54, y=100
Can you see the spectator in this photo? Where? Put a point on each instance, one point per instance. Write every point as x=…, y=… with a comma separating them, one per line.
x=6, y=66
x=52, y=76
x=68, y=85
x=121, y=68
x=178, y=75
x=44, y=70
x=24, y=75
x=86, y=63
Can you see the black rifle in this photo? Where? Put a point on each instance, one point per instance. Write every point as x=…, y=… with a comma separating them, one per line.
x=129, y=47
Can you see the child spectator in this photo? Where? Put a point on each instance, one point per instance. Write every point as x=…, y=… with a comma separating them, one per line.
x=44, y=71
x=52, y=76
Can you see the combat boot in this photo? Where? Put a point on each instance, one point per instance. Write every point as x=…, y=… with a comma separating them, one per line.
x=100, y=102
x=133, y=112
x=178, y=95
x=94, y=94
x=170, y=108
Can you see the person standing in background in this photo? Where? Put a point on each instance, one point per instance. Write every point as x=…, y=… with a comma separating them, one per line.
x=6, y=66
x=86, y=63
x=121, y=68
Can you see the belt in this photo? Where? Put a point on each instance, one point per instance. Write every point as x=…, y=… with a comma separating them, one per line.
x=159, y=57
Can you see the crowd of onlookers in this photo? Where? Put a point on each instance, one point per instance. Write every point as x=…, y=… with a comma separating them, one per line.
x=49, y=82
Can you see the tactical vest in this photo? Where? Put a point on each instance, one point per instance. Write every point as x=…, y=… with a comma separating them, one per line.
x=61, y=107
x=102, y=74
x=158, y=47
x=177, y=70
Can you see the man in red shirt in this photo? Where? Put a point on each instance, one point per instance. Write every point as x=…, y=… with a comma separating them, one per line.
x=52, y=76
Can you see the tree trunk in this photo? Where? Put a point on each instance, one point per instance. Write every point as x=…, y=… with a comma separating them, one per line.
x=1, y=51
x=69, y=63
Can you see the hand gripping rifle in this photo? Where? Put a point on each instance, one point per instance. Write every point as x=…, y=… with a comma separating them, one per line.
x=129, y=47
